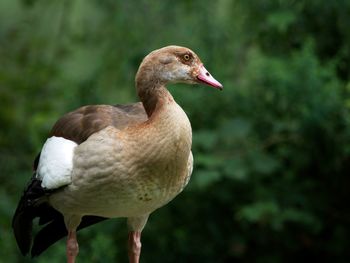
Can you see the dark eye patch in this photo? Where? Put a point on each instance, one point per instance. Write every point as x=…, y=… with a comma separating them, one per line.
x=186, y=58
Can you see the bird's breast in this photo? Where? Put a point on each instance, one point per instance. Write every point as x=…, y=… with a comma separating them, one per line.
x=126, y=173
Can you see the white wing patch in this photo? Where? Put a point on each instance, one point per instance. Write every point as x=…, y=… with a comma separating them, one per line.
x=56, y=162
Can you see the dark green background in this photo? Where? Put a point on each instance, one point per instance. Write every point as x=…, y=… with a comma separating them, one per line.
x=272, y=151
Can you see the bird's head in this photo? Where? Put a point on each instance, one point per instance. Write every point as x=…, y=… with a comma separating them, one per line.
x=174, y=64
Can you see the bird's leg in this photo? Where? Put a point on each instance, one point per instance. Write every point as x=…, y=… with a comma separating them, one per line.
x=135, y=224
x=72, y=248
x=134, y=246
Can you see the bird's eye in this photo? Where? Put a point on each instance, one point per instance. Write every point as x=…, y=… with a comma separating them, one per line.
x=187, y=57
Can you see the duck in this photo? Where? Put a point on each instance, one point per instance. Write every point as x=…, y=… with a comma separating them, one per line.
x=113, y=161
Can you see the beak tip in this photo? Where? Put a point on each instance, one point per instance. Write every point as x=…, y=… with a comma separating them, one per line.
x=205, y=77
x=221, y=88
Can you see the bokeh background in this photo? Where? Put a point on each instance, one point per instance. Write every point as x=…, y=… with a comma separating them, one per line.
x=272, y=151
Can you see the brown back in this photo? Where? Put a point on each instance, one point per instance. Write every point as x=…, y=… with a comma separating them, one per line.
x=78, y=125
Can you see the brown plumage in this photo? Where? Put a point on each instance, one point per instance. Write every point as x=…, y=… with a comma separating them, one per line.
x=106, y=161
x=78, y=125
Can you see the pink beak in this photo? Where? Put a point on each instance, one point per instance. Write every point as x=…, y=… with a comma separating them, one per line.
x=205, y=77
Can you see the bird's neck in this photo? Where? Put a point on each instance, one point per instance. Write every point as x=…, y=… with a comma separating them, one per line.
x=151, y=91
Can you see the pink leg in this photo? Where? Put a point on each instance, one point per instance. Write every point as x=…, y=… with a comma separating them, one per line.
x=72, y=246
x=134, y=246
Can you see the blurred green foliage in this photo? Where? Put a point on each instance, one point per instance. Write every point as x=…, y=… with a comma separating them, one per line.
x=272, y=151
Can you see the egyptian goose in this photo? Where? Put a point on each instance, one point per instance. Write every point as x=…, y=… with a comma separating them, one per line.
x=104, y=161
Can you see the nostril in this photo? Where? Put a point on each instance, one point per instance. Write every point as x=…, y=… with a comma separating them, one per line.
x=207, y=74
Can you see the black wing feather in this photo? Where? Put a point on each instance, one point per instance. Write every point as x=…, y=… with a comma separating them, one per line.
x=56, y=230
x=33, y=204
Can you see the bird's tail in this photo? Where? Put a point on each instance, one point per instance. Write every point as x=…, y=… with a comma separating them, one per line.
x=29, y=207
x=33, y=204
